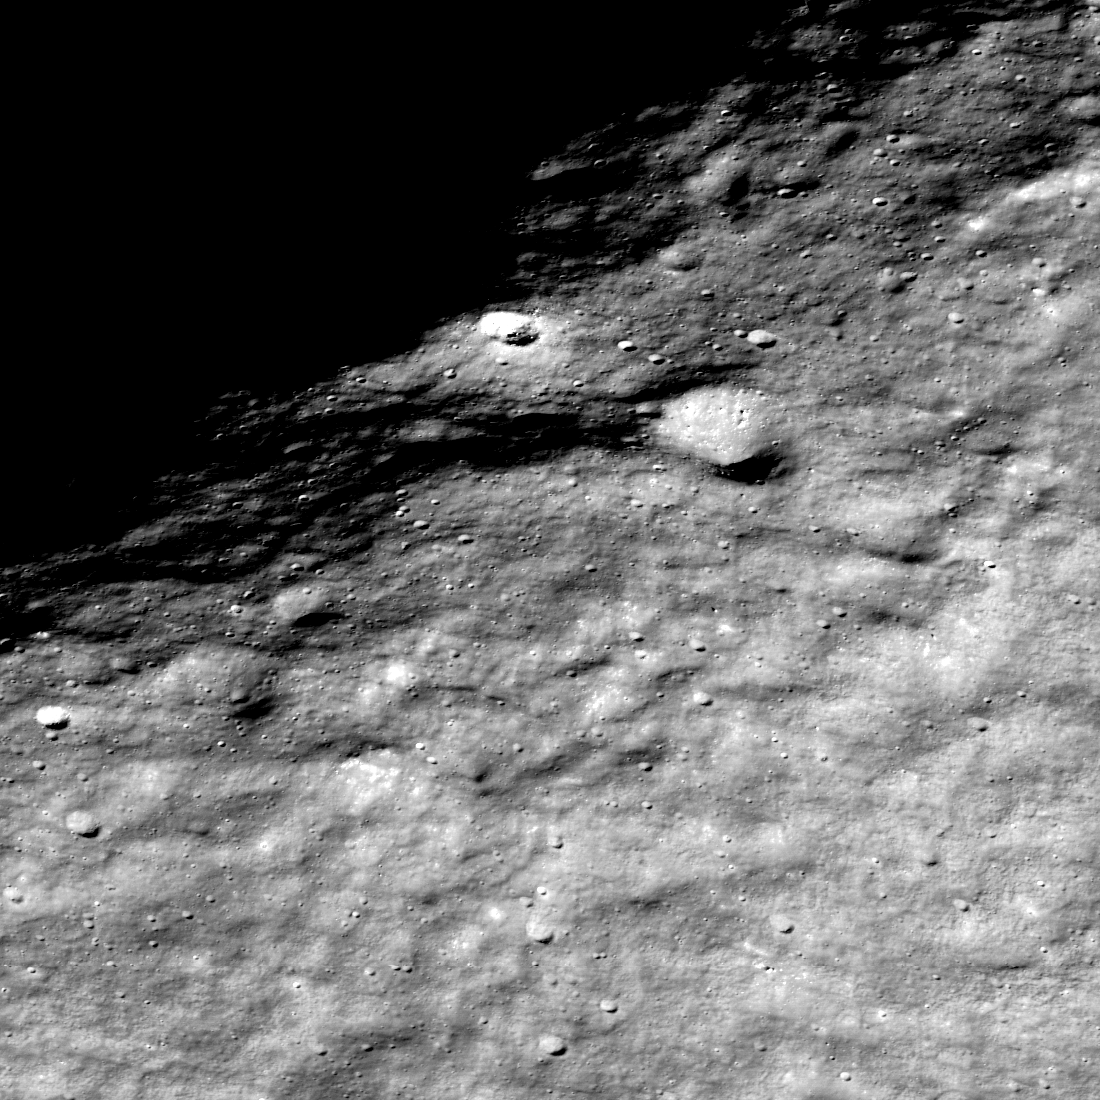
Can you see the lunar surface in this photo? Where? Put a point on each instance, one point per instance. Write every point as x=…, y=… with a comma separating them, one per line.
x=675, y=677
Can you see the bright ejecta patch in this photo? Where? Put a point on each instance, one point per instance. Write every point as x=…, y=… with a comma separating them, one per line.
x=719, y=424
x=368, y=782
x=516, y=329
x=53, y=718
x=1025, y=212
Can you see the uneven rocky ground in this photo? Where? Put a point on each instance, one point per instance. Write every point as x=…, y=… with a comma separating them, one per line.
x=675, y=680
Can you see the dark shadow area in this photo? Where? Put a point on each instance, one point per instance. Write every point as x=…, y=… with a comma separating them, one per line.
x=317, y=618
x=756, y=470
x=258, y=246
x=257, y=222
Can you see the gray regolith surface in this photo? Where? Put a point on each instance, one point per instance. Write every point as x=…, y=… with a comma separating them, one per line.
x=539, y=721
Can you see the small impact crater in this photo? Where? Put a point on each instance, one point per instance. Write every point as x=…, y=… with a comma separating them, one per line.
x=515, y=329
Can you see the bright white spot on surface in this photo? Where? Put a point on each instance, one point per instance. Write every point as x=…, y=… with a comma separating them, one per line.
x=368, y=783
x=509, y=328
x=762, y=338
x=82, y=823
x=552, y=1044
x=53, y=718
x=719, y=424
